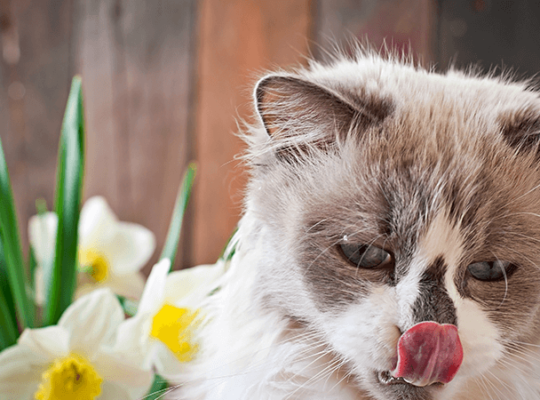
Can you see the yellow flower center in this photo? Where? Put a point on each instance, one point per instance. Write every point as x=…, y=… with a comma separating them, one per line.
x=94, y=263
x=69, y=378
x=174, y=327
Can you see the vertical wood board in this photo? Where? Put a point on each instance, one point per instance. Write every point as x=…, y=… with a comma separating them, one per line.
x=136, y=63
x=403, y=25
x=36, y=73
x=238, y=40
x=490, y=34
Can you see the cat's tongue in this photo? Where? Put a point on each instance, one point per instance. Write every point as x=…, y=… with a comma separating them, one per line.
x=427, y=353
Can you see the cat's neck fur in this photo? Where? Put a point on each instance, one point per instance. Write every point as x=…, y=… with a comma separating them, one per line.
x=437, y=172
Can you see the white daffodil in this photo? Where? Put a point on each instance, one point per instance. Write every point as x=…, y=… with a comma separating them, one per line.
x=163, y=332
x=74, y=359
x=111, y=252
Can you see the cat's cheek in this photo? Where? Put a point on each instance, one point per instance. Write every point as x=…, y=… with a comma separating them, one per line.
x=366, y=333
x=479, y=337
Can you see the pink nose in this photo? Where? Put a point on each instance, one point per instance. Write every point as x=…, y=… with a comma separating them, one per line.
x=429, y=352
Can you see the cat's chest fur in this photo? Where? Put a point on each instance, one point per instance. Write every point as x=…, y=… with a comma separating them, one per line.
x=382, y=196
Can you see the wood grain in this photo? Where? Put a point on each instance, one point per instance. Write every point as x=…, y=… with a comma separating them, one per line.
x=237, y=41
x=490, y=34
x=36, y=74
x=136, y=63
x=404, y=25
x=164, y=82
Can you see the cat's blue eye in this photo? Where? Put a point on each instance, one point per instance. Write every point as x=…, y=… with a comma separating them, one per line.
x=490, y=270
x=365, y=256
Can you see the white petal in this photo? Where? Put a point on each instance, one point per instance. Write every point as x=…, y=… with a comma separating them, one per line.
x=42, y=235
x=130, y=249
x=20, y=373
x=193, y=284
x=113, y=369
x=167, y=365
x=131, y=286
x=153, y=295
x=116, y=391
x=92, y=321
x=122, y=377
x=133, y=341
x=113, y=391
x=39, y=284
x=46, y=343
x=97, y=224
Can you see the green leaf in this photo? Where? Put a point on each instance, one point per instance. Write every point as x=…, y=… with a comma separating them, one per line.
x=8, y=320
x=129, y=306
x=8, y=330
x=158, y=389
x=230, y=248
x=32, y=264
x=9, y=235
x=60, y=281
x=41, y=206
x=175, y=227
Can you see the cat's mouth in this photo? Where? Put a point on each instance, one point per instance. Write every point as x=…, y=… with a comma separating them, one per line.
x=386, y=378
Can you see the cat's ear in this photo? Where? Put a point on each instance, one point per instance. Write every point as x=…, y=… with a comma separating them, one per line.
x=290, y=106
x=521, y=130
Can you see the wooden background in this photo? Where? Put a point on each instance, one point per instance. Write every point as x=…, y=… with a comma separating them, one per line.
x=165, y=81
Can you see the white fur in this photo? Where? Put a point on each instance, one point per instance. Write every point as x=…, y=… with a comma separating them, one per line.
x=251, y=353
x=252, y=347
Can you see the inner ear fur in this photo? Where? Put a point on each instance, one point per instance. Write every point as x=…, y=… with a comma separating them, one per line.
x=521, y=129
x=289, y=106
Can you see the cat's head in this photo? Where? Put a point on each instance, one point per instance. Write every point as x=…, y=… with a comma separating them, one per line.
x=387, y=195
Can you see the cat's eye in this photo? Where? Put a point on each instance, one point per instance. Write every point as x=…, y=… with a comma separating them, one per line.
x=365, y=256
x=490, y=270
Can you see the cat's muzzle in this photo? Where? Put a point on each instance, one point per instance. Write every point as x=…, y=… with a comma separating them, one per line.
x=386, y=378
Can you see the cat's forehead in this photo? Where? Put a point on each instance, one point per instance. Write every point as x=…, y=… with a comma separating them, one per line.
x=412, y=85
x=454, y=145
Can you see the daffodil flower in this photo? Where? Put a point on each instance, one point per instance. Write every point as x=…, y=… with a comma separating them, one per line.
x=74, y=359
x=163, y=333
x=110, y=252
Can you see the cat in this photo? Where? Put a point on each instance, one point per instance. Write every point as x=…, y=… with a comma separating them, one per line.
x=392, y=214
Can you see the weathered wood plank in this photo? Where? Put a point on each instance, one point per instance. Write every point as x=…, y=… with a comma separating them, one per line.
x=237, y=40
x=490, y=34
x=36, y=71
x=404, y=25
x=136, y=62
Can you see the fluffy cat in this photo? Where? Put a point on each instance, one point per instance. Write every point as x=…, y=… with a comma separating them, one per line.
x=382, y=195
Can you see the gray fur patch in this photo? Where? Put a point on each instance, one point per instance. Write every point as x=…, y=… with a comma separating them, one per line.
x=433, y=302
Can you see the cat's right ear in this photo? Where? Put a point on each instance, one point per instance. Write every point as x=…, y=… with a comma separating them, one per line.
x=290, y=107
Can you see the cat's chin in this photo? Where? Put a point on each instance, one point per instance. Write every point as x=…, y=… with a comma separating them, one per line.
x=386, y=387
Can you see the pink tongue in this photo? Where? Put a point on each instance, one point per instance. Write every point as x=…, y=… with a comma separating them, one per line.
x=427, y=353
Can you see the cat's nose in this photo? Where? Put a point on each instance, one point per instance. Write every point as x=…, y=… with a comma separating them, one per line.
x=428, y=352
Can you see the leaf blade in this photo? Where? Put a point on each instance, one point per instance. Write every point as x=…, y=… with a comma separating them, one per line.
x=61, y=279
x=158, y=389
x=9, y=235
x=175, y=227
x=8, y=318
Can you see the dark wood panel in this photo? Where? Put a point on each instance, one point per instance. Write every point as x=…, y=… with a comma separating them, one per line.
x=36, y=73
x=403, y=24
x=490, y=33
x=136, y=62
x=237, y=40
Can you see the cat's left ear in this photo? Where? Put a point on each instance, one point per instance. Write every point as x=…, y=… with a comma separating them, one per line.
x=290, y=106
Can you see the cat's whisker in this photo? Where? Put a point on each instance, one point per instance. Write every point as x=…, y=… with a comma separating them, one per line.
x=495, y=390
x=381, y=195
